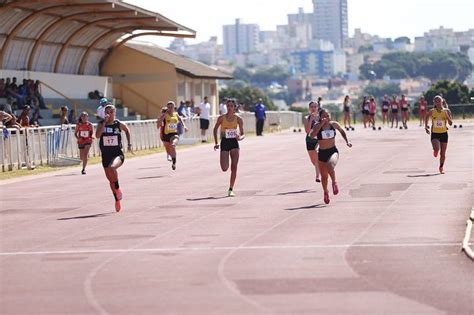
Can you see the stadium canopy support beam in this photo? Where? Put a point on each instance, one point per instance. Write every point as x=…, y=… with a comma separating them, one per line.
x=74, y=35
x=52, y=27
x=29, y=18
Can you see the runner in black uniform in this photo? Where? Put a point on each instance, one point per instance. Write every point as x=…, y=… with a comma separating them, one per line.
x=312, y=143
x=328, y=155
x=110, y=134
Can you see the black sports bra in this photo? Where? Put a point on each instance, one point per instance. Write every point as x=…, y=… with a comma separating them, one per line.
x=326, y=134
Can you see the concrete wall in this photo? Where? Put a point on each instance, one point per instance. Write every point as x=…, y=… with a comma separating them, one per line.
x=73, y=86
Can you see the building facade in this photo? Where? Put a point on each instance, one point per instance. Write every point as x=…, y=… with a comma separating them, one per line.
x=240, y=38
x=318, y=63
x=330, y=21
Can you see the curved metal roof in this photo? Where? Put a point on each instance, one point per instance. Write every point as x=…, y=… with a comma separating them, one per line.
x=72, y=36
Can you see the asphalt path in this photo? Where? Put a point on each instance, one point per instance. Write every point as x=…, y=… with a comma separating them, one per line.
x=389, y=243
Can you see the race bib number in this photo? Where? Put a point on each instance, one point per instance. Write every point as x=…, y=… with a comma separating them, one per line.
x=328, y=134
x=84, y=134
x=394, y=106
x=172, y=127
x=231, y=133
x=110, y=141
x=422, y=107
x=366, y=107
x=439, y=124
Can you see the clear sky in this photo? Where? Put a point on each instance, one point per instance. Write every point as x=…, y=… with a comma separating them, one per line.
x=387, y=18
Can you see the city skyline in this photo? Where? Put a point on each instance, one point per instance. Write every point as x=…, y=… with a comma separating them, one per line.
x=418, y=16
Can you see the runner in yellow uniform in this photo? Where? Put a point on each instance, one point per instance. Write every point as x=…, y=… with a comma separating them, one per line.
x=169, y=122
x=440, y=117
x=232, y=131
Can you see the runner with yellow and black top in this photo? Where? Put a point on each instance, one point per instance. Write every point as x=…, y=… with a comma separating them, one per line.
x=169, y=122
x=440, y=117
x=231, y=131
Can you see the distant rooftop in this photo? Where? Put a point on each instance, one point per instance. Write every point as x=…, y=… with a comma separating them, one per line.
x=183, y=64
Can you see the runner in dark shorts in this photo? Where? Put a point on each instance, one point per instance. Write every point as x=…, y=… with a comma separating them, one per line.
x=109, y=133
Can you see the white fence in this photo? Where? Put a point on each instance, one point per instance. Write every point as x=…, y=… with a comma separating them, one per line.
x=28, y=147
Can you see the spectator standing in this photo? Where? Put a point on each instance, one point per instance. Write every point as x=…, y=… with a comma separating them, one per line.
x=72, y=118
x=100, y=115
x=223, y=107
x=181, y=109
x=204, y=112
x=260, y=116
x=63, y=116
x=37, y=93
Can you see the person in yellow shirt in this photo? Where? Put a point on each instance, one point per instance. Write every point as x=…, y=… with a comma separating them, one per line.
x=231, y=131
x=440, y=118
x=168, y=122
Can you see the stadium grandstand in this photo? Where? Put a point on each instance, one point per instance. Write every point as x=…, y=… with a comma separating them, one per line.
x=77, y=51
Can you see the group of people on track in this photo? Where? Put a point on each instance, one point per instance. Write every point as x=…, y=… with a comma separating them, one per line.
x=393, y=110
x=229, y=128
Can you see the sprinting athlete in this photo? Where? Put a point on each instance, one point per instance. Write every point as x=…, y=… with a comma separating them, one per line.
x=328, y=155
x=169, y=121
x=110, y=134
x=404, y=106
x=231, y=132
x=422, y=107
x=394, y=110
x=84, y=132
x=385, y=108
x=312, y=143
x=440, y=117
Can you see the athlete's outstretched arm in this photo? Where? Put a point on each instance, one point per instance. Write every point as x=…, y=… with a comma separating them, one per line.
x=182, y=122
x=336, y=125
x=159, y=121
x=100, y=129
x=427, y=117
x=124, y=128
x=241, y=128
x=216, y=127
x=449, y=117
x=316, y=129
x=307, y=124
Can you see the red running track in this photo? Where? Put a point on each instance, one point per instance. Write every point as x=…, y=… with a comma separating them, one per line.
x=388, y=243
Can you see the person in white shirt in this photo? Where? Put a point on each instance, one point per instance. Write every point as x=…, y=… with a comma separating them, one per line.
x=100, y=114
x=223, y=107
x=204, y=112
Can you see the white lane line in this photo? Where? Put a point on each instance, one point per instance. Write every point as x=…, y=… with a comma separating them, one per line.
x=465, y=243
x=223, y=248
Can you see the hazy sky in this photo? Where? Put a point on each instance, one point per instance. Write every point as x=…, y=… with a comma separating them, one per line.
x=387, y=18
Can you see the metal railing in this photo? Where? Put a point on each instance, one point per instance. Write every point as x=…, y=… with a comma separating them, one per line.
x=29, y=147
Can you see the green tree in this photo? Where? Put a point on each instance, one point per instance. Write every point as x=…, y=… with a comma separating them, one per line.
x=453, y=92
x=249, y=96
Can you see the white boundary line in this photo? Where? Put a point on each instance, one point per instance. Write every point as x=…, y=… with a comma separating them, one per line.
x=465, y=243
x=221, y=248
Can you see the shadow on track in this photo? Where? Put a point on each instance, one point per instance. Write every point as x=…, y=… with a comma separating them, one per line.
x=92, y=216
x=316, y=206
x=295, y=192
x=207, y=198
x=151, y=177
x=424, y=175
